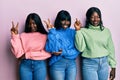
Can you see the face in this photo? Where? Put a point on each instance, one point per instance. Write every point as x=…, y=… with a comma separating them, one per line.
x=65, y=23
x=95, y=19
x=32, y=25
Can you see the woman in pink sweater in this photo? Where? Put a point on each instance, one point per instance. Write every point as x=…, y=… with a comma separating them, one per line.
x=29, y=46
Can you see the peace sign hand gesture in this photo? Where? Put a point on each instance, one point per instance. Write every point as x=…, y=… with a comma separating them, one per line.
x=14, y=29
x=77, y=24
x=49, y=25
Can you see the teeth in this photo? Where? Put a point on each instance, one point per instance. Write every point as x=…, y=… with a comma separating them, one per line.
x=65, y=26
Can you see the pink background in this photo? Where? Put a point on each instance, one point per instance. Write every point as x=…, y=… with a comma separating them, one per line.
x=17, y=10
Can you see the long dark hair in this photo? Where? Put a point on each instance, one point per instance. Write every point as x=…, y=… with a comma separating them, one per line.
x=62, y=15
x=38, y=22
x=89, y=14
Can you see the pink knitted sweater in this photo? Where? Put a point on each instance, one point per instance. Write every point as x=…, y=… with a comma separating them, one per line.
x=30, y=44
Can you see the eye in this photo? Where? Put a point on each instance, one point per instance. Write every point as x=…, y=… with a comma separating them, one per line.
x=63, y=21
x=91, y=17
x=98, y=17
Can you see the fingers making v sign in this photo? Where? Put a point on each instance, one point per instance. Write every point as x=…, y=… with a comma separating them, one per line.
x=49, y=25
x=77, y=24
x=14, y=29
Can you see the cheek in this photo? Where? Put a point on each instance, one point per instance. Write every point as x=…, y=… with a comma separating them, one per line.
x=94, y=20
x=35, y=26
x=99, y=20
x=91, y=20
x=68, y=23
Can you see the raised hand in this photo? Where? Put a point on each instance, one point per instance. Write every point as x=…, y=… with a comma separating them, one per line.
x=77, y=24
x=14, y=29
x=49, y=25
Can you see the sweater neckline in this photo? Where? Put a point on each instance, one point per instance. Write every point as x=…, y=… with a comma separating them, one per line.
x=94, y=27
x=62, y=29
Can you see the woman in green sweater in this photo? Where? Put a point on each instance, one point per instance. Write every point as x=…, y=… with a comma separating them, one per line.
x=95, y=43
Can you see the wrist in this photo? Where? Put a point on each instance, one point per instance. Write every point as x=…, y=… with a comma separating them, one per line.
x=113, y=68
x=50, y=28
x=77, y=29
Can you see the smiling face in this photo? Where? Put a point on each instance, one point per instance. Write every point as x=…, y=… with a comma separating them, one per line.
x=95, y=19
x=65, y=23
x=32, y=25
x=63, y=20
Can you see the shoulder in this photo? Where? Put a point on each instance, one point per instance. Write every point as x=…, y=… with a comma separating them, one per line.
x=106, y=30
x=35, y=34
x=83, y=29
x=38, y=34
x=23, y=34
x=71, y=30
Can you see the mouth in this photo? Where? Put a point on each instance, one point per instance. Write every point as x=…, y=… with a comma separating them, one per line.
x=65, y=26
x=33, y=29
x=95, y=23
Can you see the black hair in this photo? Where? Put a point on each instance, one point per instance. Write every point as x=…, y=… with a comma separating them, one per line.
x=38, y=22
x=88, y=16
x=62, y=15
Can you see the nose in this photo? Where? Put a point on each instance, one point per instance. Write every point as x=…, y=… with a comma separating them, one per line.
x=66, y=22
x=95, y=18
x=32, y=25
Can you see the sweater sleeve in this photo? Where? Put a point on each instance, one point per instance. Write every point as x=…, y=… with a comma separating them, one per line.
x=79, y=41
x=73, y=53
x=52, y=43
x=111, y=56
x=16, y=46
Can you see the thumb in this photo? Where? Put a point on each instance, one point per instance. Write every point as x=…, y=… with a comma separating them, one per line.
x=12, y=33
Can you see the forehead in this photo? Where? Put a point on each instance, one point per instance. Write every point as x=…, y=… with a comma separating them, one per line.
x=31, y=20
x=95, y=14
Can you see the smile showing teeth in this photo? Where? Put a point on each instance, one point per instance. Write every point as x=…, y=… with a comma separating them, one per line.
x=65, y=26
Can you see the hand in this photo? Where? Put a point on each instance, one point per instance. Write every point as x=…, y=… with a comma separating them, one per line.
x=14, y=29
x=112, y=74
x=19, y=59
x=22, y=57
x=57, y=53
x=49, y=25
x=77, y=24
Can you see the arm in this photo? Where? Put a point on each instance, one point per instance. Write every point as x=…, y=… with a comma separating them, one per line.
x=79, y=41
x=16, y=46
x=16, y=42
x=52, y=43
x=111, y=57
x=73, y=52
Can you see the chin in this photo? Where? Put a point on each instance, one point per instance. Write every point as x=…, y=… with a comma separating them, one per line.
x=95, y=24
